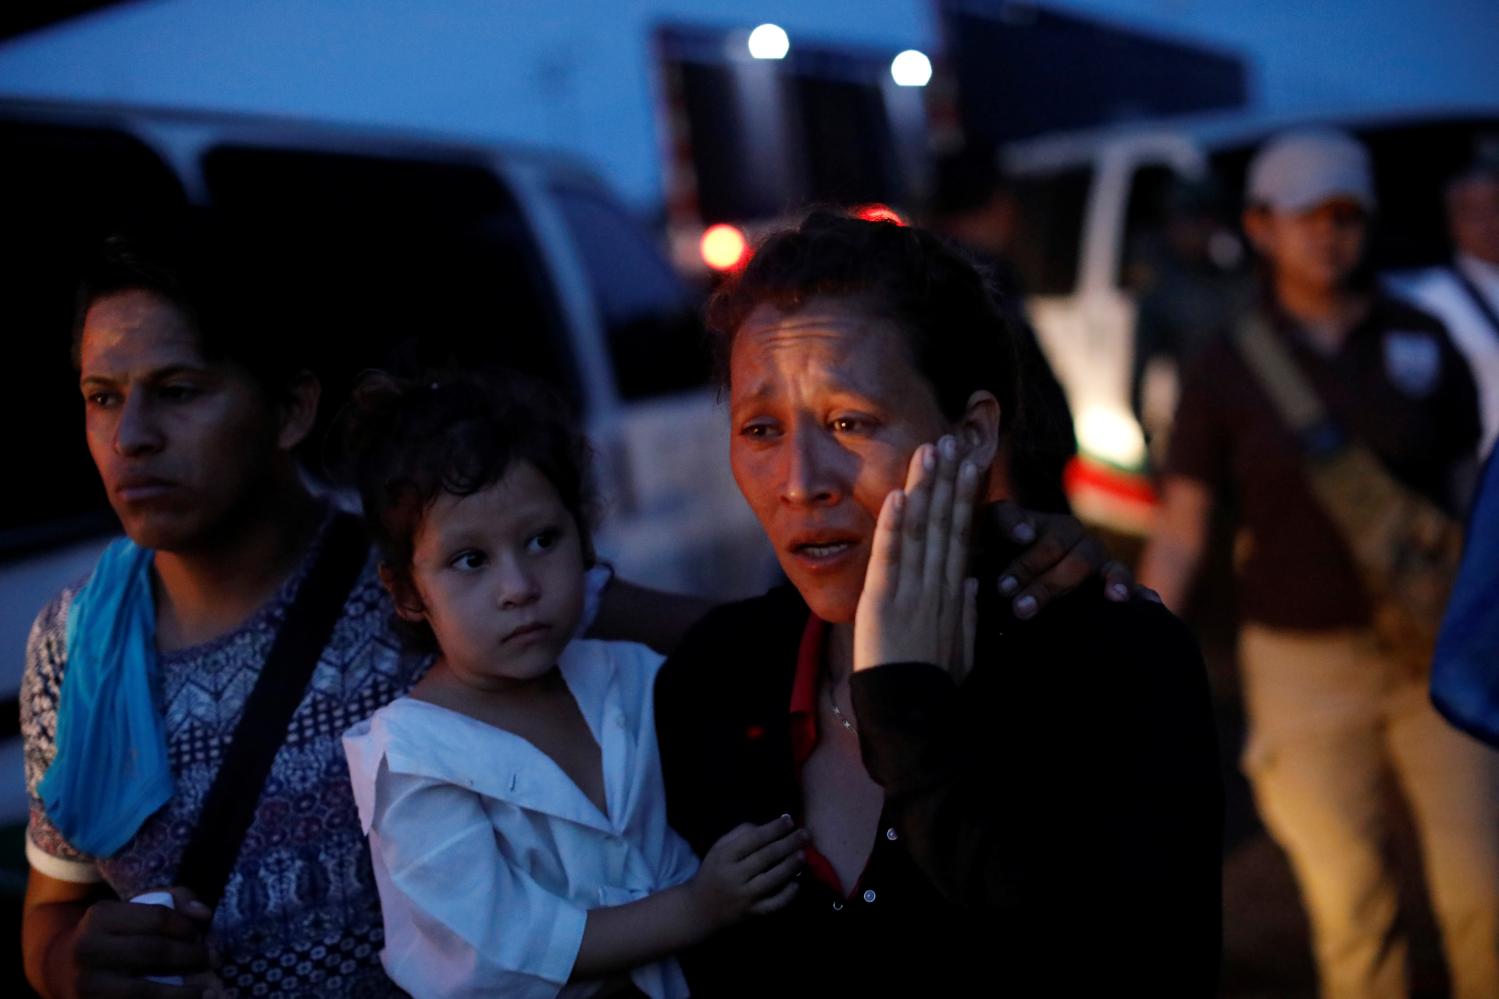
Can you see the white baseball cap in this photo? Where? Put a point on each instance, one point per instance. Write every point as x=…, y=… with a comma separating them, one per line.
x=1297, y=171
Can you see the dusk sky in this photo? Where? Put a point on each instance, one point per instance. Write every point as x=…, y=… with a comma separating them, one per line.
x=577, y=75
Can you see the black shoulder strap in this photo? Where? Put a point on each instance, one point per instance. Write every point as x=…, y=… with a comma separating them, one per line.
x=235, y=793
x=1480, y=302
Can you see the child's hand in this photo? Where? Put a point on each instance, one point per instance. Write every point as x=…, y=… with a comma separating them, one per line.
x=748, y=872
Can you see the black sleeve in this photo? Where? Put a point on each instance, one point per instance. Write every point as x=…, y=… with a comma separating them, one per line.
x=1101, y=822
x=944, y=803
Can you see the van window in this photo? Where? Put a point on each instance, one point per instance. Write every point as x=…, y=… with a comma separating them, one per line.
x=66, y=189
x=395, y=263
x=762, y=139
x=1050, y=239
x=741, y=162
x=849, y=146
x=650, y=320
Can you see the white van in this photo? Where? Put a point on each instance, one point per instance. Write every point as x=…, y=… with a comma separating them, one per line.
x=475, y=253
x=1086, y=198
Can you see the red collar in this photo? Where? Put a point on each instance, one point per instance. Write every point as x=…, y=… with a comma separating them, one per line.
x=804, y=686
x=803, y=727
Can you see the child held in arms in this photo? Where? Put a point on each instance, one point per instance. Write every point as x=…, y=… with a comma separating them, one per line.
x=514, y=800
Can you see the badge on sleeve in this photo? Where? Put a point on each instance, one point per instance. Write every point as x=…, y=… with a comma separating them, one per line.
x=1412, y=361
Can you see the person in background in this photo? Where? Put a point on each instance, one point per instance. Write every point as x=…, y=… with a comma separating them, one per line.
x=1464, y=293
x=974, y=205
x=1190, y=299
x=1332, y=710
x=1465, y=672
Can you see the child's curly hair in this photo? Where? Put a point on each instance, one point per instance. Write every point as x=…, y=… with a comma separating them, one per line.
x=406, y=441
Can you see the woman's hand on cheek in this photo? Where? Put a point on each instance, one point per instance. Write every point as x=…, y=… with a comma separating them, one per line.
x=918, y=604
x=1060, y=556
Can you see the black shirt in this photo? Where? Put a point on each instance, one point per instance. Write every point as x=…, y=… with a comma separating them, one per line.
x=1051, y=827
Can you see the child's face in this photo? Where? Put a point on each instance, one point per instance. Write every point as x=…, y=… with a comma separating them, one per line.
x=500, y=576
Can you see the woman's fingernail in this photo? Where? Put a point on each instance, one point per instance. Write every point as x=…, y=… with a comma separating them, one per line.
x=1023, y=532
x=1118, y=591
x=949, y=447
x=968, y=473
x=1025, y=606
x=1008, y=585
x=928, y=457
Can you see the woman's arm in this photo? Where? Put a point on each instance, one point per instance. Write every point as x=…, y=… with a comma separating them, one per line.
x=76, y=937
x=1176, y=547
x=1087, y=797
x=1060, y=556
x=77, y=940
x=913, y=645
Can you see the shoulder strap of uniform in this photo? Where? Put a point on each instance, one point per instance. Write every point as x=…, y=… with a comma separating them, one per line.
x=1290, y=391
x=1370, y=507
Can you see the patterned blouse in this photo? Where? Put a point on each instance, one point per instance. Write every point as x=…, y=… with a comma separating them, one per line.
x=300, y=914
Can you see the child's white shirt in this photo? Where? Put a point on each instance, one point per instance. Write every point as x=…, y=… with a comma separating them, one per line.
x=488, y=857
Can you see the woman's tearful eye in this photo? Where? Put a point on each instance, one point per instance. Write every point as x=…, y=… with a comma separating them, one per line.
x=852, y=424
x=758, y=431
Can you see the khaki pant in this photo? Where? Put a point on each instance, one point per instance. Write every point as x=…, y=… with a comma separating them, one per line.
x=1330, y=721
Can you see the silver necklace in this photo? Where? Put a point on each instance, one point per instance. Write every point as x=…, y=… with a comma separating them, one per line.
x=842, y=719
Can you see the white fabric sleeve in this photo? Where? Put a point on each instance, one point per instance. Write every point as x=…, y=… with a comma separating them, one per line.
x=461, y=920
x=678, y=862
x=53, y=866
x=47, y=851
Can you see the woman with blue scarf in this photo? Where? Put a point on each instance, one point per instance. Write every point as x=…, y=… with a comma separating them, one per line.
x=194, y=400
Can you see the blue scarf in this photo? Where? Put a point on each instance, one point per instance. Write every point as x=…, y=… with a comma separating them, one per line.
x=110, y=771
